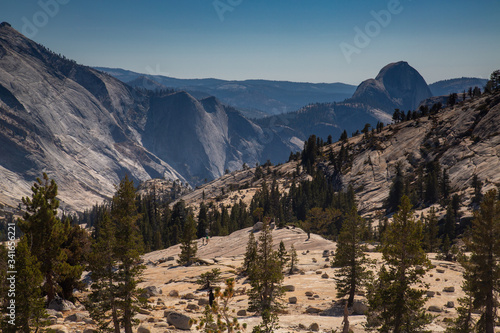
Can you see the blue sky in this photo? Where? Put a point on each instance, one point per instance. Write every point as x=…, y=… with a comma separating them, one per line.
x=268, y=39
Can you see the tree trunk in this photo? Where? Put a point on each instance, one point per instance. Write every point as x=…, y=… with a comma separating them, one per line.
x=116, y=323
x=352, y=289
x=346, y=320
x=51, y=294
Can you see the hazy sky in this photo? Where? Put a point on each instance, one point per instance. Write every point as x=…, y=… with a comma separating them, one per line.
x=309, y=40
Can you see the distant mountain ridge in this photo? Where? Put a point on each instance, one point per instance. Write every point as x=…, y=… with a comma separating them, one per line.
x=459, y=85
x=254, y=98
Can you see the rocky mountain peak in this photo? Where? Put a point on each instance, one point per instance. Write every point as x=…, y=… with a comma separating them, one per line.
x=397, y=85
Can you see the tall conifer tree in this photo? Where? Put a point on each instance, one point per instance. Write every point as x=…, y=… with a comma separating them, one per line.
x=395, y=304
x=350, y=258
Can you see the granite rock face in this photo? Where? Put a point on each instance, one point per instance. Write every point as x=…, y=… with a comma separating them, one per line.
x=80, y=126
x=86, y=129
x=398, y=85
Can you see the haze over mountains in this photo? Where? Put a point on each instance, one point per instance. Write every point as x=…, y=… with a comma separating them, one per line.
x=254, y=98
x=87, y=129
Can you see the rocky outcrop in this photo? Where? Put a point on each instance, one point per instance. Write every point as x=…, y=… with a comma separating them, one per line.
x=80, y=126
x=179, y=320
x=59, y=304
x=398, y=85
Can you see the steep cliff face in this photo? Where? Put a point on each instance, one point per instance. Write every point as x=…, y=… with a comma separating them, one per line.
x=203, y=138
x=398, y=85
x=80, y=126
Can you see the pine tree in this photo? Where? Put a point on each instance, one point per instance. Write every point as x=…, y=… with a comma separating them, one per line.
x=74, y=252
x=397, y=189
x=103, y=300
x=464, y=323
x=432, y=183
x=431, y=231
x=282, y=255
x=250, y=255
x=266, y=281
x=344, y=136
x=395, y=304
x=294, y=260
x=44, y=231
x=29, y=303
x=202, y=226
x=449, y=223
x=445, y=185
x=116, y=266
x=483, y=267
x=350, y=258
x=188, y=243
x=477, y=185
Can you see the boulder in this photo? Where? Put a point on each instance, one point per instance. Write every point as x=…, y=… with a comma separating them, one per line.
x=179, y=320
x=309, y=293
x=241, y=313
x=449, y=289
x=89, y=330
x=193, y=307
x=152, y=291
x=326, y=253
x=292, y=300
x=202, y=301
x=359, y=308
x=60, y=304
x=143, y=329
x=173, y=293
x=324, y=276
x=52, y=320
x=206, y=261
x=143, y=311
x=430, y=293
x=312, y=309
x=435, y=308
x=55, y=313
x=289, y=288
x=189, y=296
x=314, y=327
x=450, y=304
x=58, y=329
x=76, y=317
x=141, y=318
x=440, y=270
x=258, y=226
x=319, y=272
